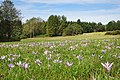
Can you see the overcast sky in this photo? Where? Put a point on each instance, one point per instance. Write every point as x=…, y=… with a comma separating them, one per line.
x=85, y=10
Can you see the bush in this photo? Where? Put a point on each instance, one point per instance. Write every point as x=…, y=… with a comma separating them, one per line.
x=117, y=32
x=9, y=40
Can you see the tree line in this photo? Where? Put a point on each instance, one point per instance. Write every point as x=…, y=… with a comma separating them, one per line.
x=12, y=28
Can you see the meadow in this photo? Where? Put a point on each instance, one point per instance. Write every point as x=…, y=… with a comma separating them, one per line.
x=91, y=56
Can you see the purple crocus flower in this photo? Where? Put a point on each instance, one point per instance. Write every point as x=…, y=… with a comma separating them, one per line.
x=69, y=64
x=79, y=57
x=48, y=58
x=11, y=59
x=47, y=52
x=84, y=44
x=55, y=61
x=38, y=61
x=107, y=65
x=25, y=65
x=10, y=66
x=103, y=51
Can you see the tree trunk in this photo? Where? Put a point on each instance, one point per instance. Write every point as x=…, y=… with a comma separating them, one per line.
x=9, y=35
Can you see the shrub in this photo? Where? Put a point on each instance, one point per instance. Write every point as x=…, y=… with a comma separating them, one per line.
x=117, y=32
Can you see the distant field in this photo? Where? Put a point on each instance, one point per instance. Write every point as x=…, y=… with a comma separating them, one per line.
x=91, y=56
x=98, y=35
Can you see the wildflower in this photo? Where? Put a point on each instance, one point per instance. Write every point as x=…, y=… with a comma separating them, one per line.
x=103, y=51
x=60, y=61
x=34, y=52
x=61, y=44
x=107, y=47
x=118, y=47
x=84, y=44
x=72, y=47
x=2, y=57
x=51, y=47
x=47, y=52
x=79, y=57
x=38, y=61
x=10, y=66
x=25, y=65
x=107, y=65
x=55, y=61
x=69, y=64
x=58, y=55
x=48, y=58
x=16, y=55
x=19, y=63
x=11, y=59
x=119, y=56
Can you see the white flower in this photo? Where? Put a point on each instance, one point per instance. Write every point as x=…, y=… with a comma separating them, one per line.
x=2, y=57
x=107, y=65
x=38, y=61
x=19, y=63
x=69, y=64
x=118, y=47
x=103, y=51
x=84, y=44
x=60, y=61
x=55, y=61
x=47, y=52
x=72, y=47
x=34, y=52
x=11, y=59
x=25, y=65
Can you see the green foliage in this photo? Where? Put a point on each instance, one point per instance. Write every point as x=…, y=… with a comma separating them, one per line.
x=10, y=20
x=87, y=28
x=53, y=24
x=73, y=29
x=112, y=25
x=62, y=27
x=34, y=27
x=116, y=32
x=56, y=25
x=68, y=31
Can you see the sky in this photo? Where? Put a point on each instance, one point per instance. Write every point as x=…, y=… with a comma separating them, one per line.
x=85, y=10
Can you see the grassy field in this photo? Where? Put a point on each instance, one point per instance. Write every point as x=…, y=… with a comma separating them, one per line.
x=98, y=35
x=92, y=56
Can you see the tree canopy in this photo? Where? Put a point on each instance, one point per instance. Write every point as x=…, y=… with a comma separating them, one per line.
x=11, y=26
x=10, y=20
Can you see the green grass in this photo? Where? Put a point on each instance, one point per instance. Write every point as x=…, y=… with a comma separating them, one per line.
x=90, y=47
x=97, y=35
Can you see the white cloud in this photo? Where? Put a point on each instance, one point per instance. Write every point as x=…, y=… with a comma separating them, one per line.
x=103, y=16
x=72, y=1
